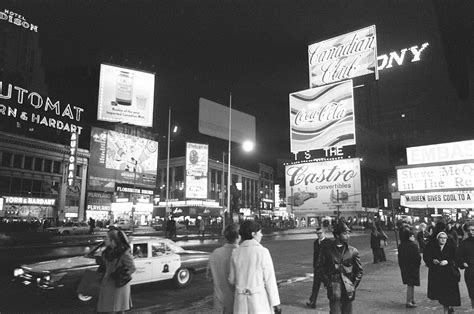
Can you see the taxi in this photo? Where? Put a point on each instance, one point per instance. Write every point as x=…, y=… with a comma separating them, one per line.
x=156, y=259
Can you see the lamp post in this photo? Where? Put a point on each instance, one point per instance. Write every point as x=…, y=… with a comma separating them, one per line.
x=168, y=162
x=134, y=199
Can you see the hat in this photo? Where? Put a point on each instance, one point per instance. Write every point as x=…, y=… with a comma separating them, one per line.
x=340, y=228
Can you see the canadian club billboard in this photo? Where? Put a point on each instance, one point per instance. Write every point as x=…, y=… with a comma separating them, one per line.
x=321, y=187
x=196, y=170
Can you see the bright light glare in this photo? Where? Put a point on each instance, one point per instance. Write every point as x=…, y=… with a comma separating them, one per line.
x=175, y=129
x=248, y=146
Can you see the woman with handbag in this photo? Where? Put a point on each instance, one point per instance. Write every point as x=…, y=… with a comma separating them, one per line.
x=443, y=273
x=117, y=266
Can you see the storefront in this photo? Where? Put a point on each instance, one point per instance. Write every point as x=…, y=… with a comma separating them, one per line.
x=28, y=208
x=142, y=215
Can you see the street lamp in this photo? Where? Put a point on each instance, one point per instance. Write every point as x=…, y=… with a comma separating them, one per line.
x=175, y=130
x=134, y=199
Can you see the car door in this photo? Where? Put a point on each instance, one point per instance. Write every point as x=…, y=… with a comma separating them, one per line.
x=165, y=261
x=143, y=263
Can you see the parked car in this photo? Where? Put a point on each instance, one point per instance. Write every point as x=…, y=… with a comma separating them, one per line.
x=123, y=224
x=155, y=258
x=70, y=228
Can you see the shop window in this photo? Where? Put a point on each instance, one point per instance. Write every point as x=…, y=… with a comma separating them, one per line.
x=56, y=167
x=48, y=165
x=6, y=159
x=78, y=170
x=38, y=164
x=17, y=161
x=140, y=250
x=28, y=165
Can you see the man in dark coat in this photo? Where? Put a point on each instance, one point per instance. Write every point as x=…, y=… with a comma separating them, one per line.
x=409, y=260
x=341, y=270
x=466, y=260
x=318, y=244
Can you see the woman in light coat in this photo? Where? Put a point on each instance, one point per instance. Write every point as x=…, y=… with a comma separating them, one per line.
x=117, y=254
x=252, y=273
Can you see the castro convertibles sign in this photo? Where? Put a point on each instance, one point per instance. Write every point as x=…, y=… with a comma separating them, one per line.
x=23, y=105
x=452, y=199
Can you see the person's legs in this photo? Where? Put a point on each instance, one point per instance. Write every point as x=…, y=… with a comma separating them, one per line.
x=472, y=303
x=376, y=259
x=335, y=306
x=315, y=291
x=410, y=295
x=346, y=307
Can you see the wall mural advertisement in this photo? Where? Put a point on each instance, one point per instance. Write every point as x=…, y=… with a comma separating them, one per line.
x=121, y=158
x=322, y=187
x=126, y=96
x=343, y=57
x=322, y=117
x=196, y=170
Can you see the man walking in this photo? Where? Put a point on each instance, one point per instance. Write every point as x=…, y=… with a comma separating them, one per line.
x=218, y=270
x=341, y=271
x=320, y=242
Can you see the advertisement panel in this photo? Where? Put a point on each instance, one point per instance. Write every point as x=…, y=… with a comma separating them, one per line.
x=343, y=57
x=453, y=176
x=453, y=199
x=126, y=95
x=322, y=117
x=322, y=187
x=121, y=158
x=196, y=170
x=427, y=154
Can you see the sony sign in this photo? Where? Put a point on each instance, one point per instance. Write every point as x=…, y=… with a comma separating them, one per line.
x=386, y=61
x=462, y=150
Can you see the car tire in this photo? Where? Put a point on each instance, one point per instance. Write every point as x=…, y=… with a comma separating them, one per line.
x=65, y=233
x=84, y=298
x=182, y=277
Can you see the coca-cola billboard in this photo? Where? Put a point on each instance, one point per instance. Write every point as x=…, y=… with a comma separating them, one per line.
x=322, y=187
x=322, y=117
x=343, y=57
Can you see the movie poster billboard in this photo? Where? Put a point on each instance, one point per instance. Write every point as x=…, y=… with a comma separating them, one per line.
x=126, y=96
x=322, y=117
x=322, y=187
x=343, y=57
x=121, y=158
x=196, y=170
x=448, y=199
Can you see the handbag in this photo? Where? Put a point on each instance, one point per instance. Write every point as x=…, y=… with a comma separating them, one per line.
x=121, y=275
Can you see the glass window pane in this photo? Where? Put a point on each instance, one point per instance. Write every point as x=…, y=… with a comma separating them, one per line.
x=28, y=163
x=6, y=159
x=48, y=165
x=17, y=160
x=56, y=167
x=38, y=164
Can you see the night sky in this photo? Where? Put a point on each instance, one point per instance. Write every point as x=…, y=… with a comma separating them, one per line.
x=257, y=50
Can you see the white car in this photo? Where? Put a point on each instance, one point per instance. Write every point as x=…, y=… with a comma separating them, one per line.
x=71, y=228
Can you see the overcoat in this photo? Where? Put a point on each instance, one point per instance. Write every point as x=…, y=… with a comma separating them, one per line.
x=409, y=260
x=466, y=255
x=112, y=298
x=252, y=273
x=442, y=284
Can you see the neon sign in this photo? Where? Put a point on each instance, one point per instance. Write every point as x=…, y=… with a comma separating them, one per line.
x=17, y=19
x=386, y=61
x=71, y=175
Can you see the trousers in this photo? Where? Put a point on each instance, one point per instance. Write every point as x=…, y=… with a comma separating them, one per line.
x=316, y=285
x=343, y=306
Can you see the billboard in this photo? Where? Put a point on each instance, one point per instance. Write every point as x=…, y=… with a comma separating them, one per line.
x=214, y=121
x=126, y=96
x=440, y=152
x=343, y=57
x=453, y=176
x=121, y=158
x=322, y=117
x=322, y=187
x=196, y=170
x=452, y=199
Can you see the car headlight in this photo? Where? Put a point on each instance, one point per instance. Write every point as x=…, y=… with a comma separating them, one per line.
x=18, y=272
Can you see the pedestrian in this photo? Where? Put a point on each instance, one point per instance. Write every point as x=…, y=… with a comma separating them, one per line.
x=459, y=231
x=218, y=270
x=91, y=225
x=202, y=228
x=341, y=271
x=320, y=242
x=409, y=260
x=382, y=243
x=252, y=274
x=117, y=261
x=466, y=260
x=443, y=273
x=171, y=227
x=422, y=236
x=451, y=232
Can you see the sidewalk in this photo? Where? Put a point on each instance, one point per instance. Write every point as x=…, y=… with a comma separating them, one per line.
x=381, y=291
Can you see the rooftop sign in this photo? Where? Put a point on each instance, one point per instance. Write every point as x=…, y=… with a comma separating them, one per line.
x=463, y=150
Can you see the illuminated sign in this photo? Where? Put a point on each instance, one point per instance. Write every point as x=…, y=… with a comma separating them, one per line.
x=386, y=61
x=277, y=195
x=23, y=97
x=324, y=186
x=322, y=117
x=17, y=19
x=343, y=57
x=126, y=96
x=448, y=176
x=71, y=169
x=453, y=151
x=452, y=199
x=29, y=200
x=196, y=170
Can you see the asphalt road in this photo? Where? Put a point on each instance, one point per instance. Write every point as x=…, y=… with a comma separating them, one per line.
x=292, y=257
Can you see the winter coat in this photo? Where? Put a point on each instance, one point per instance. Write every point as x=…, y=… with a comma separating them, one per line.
x=337, y=261
x=317, y=249
x=252, y=273
x=409, y=260
x=112, y=298
x=422, y=237
x=466, y=255
x=442, y=284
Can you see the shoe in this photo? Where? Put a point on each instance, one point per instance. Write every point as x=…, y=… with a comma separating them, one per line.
x=410, y=305
x=311, y=305
x=450, y=310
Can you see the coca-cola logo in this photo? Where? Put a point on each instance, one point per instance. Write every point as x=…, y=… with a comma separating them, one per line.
x=302, y=174
x=327, y=112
